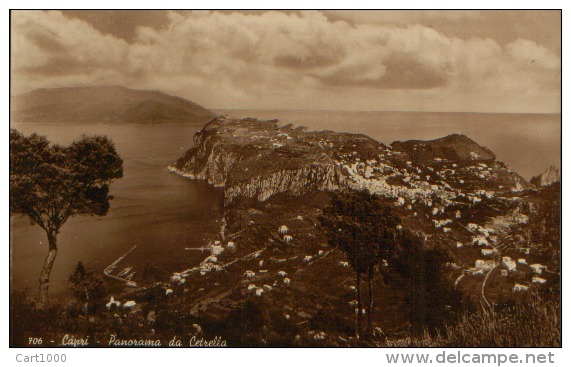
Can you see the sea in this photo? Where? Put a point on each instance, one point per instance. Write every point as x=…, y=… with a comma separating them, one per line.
x=164, y=214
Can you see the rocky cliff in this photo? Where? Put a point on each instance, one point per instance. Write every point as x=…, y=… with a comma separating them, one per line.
x=550, y=176
x=256, y=160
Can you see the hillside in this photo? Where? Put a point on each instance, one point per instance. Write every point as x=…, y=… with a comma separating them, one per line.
x=105, y=104
x=276, y=181
x=270, y=276
x=257, y=159
x=455, y=147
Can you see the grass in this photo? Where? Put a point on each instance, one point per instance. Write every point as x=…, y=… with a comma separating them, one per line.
x=536, y=324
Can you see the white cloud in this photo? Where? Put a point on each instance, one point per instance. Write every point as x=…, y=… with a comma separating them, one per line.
x=278, y=60
x=530, y=52
x=405, y=17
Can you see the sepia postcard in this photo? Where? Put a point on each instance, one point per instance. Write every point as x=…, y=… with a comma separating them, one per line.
x=316, y=178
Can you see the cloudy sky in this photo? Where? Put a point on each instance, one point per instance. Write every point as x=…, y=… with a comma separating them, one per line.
x=480, y=61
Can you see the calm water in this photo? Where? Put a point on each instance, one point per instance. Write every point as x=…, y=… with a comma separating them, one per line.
x=159, y=211
x=163, y=213
x=528, y=143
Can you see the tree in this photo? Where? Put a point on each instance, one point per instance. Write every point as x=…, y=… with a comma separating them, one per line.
x=86, y=284
x=152, y=273
x=50, y=183
x=364, y=228
x=419, y=271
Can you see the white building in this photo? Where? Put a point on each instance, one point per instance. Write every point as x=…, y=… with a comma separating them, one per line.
x=216, y=249
x=487, y=251
x=112, y=303
x=509, y=263
x=537, y=268
x=129, y=304
x=520, y=288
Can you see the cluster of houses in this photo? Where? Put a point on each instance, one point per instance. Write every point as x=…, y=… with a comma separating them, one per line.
x=392, y=176
x=276, y=139
x=259, y=291
x=378, y=178
x=209, y=264
x=481, y=170
x=522, y=274
x=282, y=278
x=115, y=304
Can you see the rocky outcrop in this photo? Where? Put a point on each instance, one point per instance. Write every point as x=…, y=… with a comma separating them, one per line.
x=550, y=176
x=209, y=160
x=256, y=160
x=294, y=182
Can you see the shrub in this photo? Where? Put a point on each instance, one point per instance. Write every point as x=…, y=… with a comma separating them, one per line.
x=152, y=273
x=87, y=285
x=536, y=324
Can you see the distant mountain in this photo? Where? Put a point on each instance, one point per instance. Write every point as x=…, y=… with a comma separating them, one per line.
x=551, y=175
x=105, y=104
x=455, y=147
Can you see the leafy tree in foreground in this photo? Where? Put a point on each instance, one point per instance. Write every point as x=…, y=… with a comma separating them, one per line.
x=365, y=229
x=50, y=183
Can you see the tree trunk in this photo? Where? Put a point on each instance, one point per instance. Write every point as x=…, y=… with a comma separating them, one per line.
x=359, y=330
x=46, y=271
x=370, y=314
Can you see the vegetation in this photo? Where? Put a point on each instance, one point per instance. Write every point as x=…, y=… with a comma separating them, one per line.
x=366, y=230
x=536, y=324
x=152, y=273
x=50, y=183
x=430, y=297
x=544, y=227
x=406, y=274
x=87, y=285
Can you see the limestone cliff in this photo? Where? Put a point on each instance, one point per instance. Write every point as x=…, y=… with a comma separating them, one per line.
x=257, y=159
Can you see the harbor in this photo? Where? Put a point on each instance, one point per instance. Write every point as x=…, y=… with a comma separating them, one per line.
x=125, y=275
